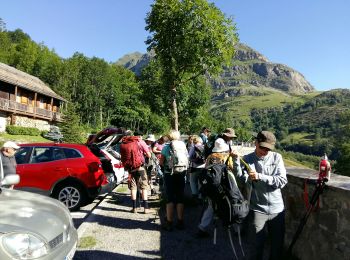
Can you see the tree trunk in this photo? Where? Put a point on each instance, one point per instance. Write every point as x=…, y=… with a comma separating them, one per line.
x=175, y=116
x=101, y=117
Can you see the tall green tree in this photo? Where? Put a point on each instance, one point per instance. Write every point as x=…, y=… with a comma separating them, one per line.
x=71, y=128
x=190, y=38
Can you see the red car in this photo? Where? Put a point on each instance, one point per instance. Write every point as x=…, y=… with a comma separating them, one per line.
x=67, y=172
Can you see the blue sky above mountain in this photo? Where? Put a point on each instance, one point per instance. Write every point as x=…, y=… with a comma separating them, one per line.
x=308, y=36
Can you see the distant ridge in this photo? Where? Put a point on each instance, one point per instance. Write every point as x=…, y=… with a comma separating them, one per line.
x=249, y=68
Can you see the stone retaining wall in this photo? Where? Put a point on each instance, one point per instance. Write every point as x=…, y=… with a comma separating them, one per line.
x=24, y=121
x=29, y=122
x=326, y=234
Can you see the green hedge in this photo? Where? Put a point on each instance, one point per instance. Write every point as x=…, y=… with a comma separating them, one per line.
x=310, y=161
x=20, y=130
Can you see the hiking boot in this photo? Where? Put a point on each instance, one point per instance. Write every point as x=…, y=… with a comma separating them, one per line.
x=202, y=234
x=133, y=210
x=168, y=226
x=180, y=225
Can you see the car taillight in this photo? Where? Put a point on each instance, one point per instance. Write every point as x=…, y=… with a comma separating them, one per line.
x=118, y=165
x=94, y=166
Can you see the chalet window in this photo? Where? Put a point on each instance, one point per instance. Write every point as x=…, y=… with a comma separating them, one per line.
x=41, y=103
x=24, y=100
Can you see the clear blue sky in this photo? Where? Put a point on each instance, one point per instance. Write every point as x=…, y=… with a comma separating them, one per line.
x=310, y=36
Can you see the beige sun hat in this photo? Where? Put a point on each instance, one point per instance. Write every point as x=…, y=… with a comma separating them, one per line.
x=10, y=144
x=150, y=138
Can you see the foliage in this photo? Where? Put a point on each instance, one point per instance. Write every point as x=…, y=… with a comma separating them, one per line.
x=305, y=160
x=20, y=130
x=72, y=129
x=342, y=165
x=190, y=38
x=193, y=102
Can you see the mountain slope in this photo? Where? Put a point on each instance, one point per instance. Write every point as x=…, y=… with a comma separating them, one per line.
x=249, y=68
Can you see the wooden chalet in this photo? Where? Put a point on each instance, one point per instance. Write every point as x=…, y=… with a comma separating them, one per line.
x=26, y=96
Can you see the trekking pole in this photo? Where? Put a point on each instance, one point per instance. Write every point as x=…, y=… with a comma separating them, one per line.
x=239, y=239
x=231, y=242
x=245, y=164
x=321, y=184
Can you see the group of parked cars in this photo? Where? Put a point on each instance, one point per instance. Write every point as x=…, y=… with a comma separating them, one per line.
x=72, y=173
x=37, y=227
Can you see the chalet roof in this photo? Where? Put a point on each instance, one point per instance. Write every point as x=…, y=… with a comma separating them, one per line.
x=21, y=79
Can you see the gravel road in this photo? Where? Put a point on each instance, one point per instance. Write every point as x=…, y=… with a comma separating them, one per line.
x=119, y=234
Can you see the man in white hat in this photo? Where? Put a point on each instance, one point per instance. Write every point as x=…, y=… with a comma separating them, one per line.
x=7, y=157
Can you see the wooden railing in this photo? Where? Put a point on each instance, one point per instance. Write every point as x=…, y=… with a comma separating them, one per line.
x=12, y=106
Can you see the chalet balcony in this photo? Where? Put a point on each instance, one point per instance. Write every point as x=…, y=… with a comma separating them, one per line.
x=28, y=110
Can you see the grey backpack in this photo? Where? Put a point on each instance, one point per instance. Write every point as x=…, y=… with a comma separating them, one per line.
x=178, y=159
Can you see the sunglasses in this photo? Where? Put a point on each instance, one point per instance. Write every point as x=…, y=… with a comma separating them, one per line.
x=264, y=148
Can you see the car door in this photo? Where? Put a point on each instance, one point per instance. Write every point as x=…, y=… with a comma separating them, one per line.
x=45, y=166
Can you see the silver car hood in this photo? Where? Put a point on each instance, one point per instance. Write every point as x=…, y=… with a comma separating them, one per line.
x=38, y=214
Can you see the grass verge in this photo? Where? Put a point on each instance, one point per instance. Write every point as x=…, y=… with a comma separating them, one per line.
x=87, y=242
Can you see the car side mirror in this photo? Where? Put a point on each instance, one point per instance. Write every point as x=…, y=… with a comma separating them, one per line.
x=11, y=179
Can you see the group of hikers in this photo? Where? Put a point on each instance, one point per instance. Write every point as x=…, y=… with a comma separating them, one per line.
x=218, y=175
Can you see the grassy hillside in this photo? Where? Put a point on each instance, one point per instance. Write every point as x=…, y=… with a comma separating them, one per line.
x=251, y=97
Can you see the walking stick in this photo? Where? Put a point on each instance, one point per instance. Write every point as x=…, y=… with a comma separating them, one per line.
x=318, y=191
x=323, y=177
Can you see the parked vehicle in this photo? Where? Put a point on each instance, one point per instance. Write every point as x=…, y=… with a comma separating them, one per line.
x=105, y=146
x=33, y=226
x=70, y=173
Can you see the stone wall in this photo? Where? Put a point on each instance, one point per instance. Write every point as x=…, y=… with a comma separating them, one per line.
x=23, y=121
x=29, y=122
x=3, y=121
x=326, y=234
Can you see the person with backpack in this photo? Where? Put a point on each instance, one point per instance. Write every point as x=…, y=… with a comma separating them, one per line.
x=197, y=163
x=220, y=155
x=265, y=176
x=150, y=163
x=205, y=133
x=227, y=135
x=174, y=161
x=133, y=151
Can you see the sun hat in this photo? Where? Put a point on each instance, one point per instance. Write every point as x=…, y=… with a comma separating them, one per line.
x=220, y=146
x=266, y=139
x=10, y=144
x=150, y=138
x=229, y=132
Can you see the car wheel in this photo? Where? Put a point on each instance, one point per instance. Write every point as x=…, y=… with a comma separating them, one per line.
x=71, y=195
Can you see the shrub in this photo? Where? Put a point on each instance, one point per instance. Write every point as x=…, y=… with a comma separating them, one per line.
x=310, y=161
x=20, y=130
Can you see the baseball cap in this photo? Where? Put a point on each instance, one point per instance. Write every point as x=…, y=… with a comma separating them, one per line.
x=266, y=139
x=229, y=132
x=10, y=144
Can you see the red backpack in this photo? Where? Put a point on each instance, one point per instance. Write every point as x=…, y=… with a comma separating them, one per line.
x=131, y=156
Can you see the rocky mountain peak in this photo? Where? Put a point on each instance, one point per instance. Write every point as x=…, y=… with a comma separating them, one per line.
x=245, y=53
x=249, y=68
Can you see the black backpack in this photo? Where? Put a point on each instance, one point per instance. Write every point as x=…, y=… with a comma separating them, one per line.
x=228, y=201
x=198, y=155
